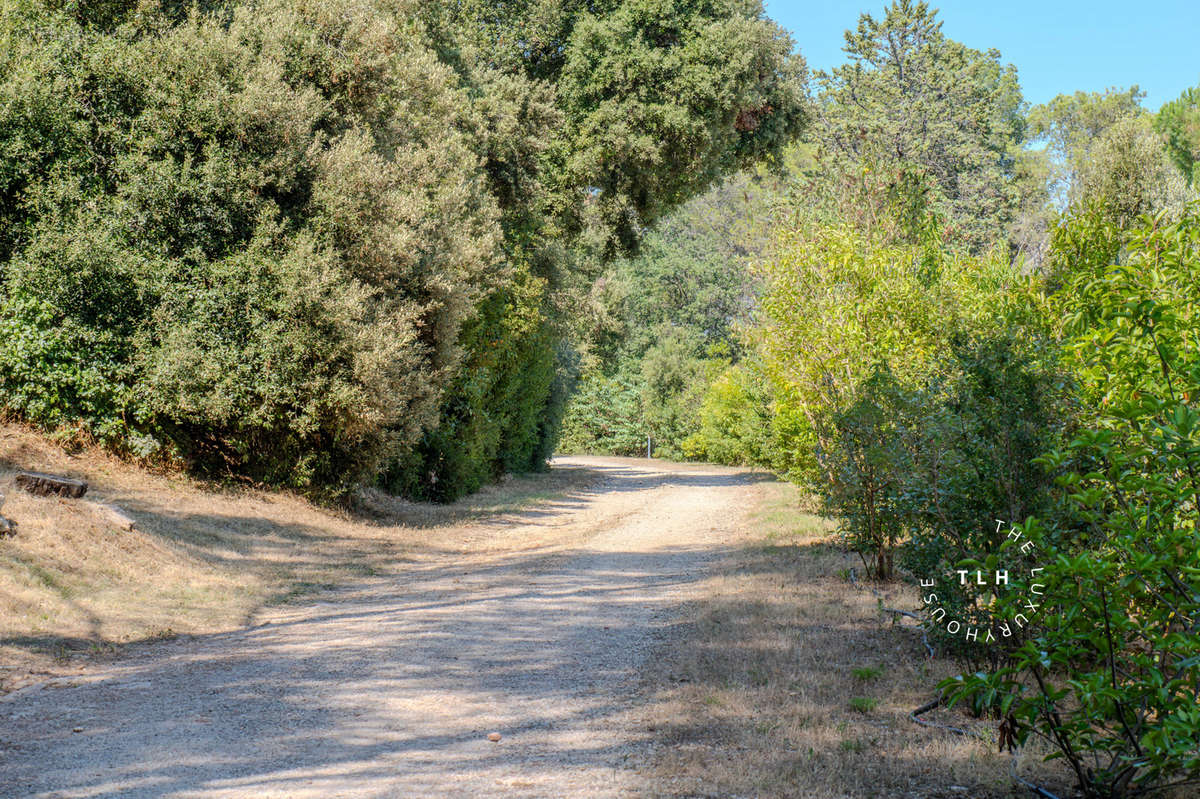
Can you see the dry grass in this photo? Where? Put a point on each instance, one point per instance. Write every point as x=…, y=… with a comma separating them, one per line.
x=784, y=681
x=787, y=681
x=202, y=558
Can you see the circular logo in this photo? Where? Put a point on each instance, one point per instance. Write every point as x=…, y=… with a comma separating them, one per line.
x=979, y=584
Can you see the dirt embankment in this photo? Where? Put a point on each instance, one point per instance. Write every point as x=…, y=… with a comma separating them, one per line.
x=76, y=588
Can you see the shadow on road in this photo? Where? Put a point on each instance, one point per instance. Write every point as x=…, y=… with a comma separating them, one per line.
x=389, y=687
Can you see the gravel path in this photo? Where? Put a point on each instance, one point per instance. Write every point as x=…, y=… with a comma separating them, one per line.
x=534, y=628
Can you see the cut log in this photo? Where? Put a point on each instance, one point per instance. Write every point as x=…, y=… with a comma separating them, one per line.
x=44, y=485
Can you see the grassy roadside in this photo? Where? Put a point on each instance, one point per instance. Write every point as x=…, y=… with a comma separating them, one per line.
x=201, y=559
x=786, y=681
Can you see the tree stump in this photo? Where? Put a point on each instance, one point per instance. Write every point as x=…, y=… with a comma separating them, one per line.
x=43, y=485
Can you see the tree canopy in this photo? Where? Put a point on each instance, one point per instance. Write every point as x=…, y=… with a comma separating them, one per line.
x=917, y=119
x=1179, y=122
x=317, y=243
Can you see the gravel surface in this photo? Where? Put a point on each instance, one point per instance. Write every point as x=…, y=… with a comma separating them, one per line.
x=533, y=625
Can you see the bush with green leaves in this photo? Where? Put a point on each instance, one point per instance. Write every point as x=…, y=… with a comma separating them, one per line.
x=251, y=235
x=1110, y=678
x=605, y=417
x=921, y=383
x=840, y=313
x=972, y=473
x=736, y=425
x=494, y=419
x=307, y=243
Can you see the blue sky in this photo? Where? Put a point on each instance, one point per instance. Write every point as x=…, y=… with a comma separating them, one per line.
x=1058, y=46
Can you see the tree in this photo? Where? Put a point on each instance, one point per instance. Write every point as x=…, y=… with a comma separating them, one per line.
x=918, y=122
x=659, y=98
x=1103, y=150
x=668, y=319
x=598, y=119
x=311, y=243
x=1179, y=122
x=1130, y=173
x=1109, y=679
x=1071, y=125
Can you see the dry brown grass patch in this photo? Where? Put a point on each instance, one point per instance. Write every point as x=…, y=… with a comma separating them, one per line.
x=202, y=558
x=787, y=681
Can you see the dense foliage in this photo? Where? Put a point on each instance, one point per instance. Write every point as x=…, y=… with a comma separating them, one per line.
x=978, y=357
x=915, y=126
x=1110, y=679
x=1179, y=122
x=321, y=243
x=920, y=383
x=919, y=119
x=657, y=330
x=247, y=241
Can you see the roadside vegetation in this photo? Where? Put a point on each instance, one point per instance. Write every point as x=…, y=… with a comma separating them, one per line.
x=788, y=674
x=970, y=333
x=402, y=247
x=326, y=244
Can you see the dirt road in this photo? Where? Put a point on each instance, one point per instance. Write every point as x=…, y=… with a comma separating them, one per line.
x=534, y=627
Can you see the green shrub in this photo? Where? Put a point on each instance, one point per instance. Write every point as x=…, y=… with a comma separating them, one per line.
x=220, y=236
x=973, y=442
x=67, y=325
x=906, y=411
x=306, y=242
x=735, y=422
x=1110, y=679
x=496, y=417
x=604, y=416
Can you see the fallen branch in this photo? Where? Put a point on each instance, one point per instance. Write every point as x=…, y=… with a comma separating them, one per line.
x=928, y=706
x=43, y=485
